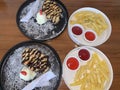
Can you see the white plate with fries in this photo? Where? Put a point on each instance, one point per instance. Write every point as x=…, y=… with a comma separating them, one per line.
x=93, y=73
x=90, y=19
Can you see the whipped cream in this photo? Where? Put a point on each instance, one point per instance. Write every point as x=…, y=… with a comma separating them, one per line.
x=26, y=74
x=41, y=17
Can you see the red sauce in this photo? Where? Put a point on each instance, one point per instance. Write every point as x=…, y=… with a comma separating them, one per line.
x=90, y=36
x=84, y=54
x=24, y=73
x=72, y=63
x=40, y=12
x=77, y=30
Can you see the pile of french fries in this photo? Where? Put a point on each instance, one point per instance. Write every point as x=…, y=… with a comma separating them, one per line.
x=92, y=76
x=90, y=20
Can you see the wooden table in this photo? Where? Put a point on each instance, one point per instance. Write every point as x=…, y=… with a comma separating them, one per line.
x=10, y=35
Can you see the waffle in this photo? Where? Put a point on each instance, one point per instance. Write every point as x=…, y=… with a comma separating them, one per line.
x=52, y=10
x=35, y=60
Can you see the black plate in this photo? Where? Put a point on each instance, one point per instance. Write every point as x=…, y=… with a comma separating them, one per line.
x=11, y=66
x=59, y=28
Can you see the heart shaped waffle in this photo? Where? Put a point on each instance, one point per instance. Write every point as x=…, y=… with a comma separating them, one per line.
x=35, y=60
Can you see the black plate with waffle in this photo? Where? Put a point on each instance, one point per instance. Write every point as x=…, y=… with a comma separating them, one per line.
x=11, y=65
x=39, y=35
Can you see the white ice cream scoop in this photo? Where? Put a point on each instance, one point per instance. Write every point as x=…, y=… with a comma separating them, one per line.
x=41, y=17
x=41, y=81
x=26, y=74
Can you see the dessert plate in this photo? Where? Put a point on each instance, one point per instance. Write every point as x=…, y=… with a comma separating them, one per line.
x=41, y=32
x=11, y=66
x=81, y=71
x=90, y=19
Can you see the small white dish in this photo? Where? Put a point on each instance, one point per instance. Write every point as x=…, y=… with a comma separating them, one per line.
x=90, y=38
x=87, y=54
x=77, y=32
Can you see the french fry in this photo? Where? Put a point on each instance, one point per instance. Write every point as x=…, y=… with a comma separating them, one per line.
x=93, y=75
x=90, y=20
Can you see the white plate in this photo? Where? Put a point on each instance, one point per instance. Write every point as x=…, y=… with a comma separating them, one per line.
x=100, y=40
x=68, y=74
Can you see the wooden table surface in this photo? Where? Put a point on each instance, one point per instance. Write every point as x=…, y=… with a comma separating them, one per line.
x=10, y=34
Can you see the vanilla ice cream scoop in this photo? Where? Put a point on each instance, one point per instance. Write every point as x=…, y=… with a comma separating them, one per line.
x=41, y=17
x=26, y=74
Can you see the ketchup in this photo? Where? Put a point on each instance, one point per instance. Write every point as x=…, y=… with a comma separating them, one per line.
x=72, y=63
x=24, y=73
x=77, y=30
x=84, y=54
x=90, y=36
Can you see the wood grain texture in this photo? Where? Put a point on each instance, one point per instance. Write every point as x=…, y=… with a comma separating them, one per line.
x=10, y=34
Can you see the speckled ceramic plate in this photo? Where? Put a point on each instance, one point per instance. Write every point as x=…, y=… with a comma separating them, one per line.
x=33, y=31
x=11, y=65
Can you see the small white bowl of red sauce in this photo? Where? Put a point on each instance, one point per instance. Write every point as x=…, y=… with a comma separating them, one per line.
x=77, y=29
x=90, y=35
x=72, y=63
x=84, y=54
